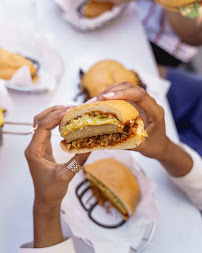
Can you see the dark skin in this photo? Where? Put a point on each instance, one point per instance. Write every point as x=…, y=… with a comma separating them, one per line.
x=158, y=146
x=189, y=30
x=51, y=180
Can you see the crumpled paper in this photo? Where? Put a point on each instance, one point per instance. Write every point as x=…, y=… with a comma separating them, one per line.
x=117, y=240
x=36, y=46
x=71, y=15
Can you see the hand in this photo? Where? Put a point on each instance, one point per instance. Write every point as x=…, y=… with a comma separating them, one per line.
x=152, y=114
x=50, y=179
x=157, y=145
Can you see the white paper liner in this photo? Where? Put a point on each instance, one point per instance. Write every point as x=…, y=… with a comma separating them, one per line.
x=71, y=15
x=36, y=46
x=119, y=239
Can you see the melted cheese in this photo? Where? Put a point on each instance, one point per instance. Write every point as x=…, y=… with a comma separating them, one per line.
x=88, y=120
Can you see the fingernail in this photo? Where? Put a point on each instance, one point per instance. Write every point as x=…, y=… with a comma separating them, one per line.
x=109, y=95
x=92, y=100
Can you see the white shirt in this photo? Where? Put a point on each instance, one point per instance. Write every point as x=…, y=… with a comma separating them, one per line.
x=159, y=31
x=191, y=184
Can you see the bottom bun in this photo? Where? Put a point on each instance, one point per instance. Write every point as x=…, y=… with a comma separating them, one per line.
x=131, y=143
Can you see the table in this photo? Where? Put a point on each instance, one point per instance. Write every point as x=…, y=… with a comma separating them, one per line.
x=179, y=225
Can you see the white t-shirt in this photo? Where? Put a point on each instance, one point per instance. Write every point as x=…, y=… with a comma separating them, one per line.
x=159, y=31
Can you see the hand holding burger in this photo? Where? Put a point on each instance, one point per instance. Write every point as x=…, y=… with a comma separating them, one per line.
x=151, y=113
x=157, y=145
x=50, y=179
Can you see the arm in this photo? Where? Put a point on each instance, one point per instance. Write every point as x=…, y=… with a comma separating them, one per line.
x=189, y=30
x=50, y=179
x=175, y=160
x=158, y=146
x=183, y=170
x=47, y=227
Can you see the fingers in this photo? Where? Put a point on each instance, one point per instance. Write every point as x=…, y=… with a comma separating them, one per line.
x=45, y=125
x=41, y=116
x=46, y=112
x=125, y=92
x=114, y=87
x=81, y=158
x=48, y=123
x=110, y=88
x=138, y=95
x=92, y=100
x=68, y=174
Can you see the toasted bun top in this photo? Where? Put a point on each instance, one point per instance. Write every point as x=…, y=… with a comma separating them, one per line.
x=104, y=73
x=173, y=4
x=122, y=109
x=93, y=9
x=119, y=179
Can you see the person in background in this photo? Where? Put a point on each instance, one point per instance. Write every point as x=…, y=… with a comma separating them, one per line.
x=184, y=166
x=185, y=99
x=173, y=39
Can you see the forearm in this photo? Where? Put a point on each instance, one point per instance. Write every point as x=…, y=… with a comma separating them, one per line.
x=189, y=30
x=176, y=161
x=47, y=226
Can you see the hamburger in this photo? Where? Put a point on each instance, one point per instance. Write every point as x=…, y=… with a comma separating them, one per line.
x=102, y=125
x=113, y=181
x=105, y=73
x=10, y=63
x=188, y=8
x=94, y=9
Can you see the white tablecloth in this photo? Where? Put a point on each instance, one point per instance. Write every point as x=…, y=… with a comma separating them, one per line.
x=179, y=225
